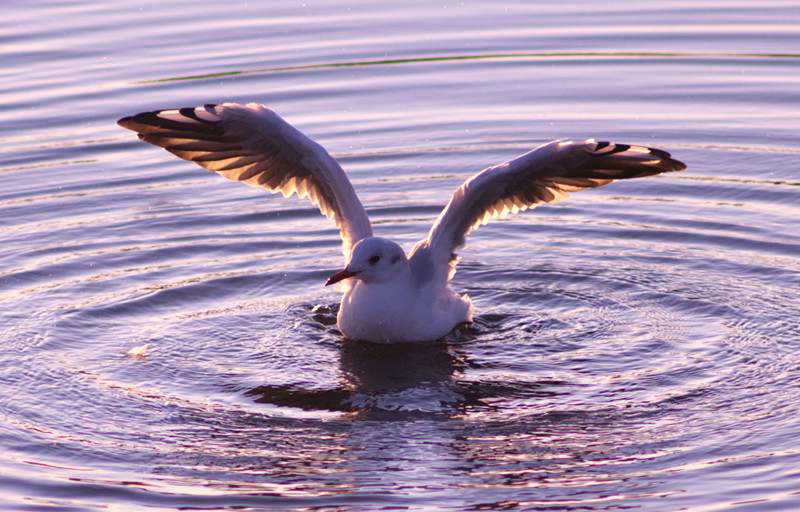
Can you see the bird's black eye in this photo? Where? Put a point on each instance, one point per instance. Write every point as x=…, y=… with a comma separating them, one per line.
x=374, y=259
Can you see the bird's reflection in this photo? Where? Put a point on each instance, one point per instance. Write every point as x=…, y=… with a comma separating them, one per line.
x=405, y=377
x=375, y=368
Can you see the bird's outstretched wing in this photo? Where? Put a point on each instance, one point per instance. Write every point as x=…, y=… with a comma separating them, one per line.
x=252, y=144
x=545, y=175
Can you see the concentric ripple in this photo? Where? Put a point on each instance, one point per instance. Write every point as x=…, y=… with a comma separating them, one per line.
x=167, y=341
x=600, y=359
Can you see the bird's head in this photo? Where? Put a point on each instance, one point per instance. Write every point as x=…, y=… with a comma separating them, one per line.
x=373, y=260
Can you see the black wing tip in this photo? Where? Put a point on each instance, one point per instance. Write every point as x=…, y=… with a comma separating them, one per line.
x=146, y=118
x=677, y=165
x=125, y=121
x=666, y=157
x=191, y=112
x=606, y=148
x=153, y=117
x=188, y=112
x=155, y=121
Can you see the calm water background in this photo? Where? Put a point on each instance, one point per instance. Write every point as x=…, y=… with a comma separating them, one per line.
x=636, y=347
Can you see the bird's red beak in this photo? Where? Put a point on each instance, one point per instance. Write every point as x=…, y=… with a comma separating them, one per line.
x=338, y=276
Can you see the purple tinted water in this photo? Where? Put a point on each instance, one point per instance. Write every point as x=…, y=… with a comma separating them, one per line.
x=634, y=347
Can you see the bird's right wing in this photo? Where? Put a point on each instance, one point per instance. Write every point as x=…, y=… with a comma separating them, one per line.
x=252, y=144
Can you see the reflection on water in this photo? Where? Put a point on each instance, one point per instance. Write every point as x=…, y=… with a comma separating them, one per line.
x=405, y=377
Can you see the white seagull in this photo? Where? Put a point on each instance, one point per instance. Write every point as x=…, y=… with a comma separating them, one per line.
x=388, y=297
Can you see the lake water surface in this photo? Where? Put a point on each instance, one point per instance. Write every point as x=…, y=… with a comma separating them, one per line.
x=635, y=348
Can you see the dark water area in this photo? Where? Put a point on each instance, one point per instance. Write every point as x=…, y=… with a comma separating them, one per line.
x=167, y=342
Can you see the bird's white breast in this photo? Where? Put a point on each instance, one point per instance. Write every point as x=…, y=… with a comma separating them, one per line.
x=400, y=312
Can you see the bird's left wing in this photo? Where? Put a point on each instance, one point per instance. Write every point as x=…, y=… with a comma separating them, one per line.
x=545, y=175
x=252, y=144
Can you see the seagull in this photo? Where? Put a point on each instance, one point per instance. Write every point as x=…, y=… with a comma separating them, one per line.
x=388, y=296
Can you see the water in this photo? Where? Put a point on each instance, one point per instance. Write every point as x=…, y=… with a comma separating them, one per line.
x=634, y=348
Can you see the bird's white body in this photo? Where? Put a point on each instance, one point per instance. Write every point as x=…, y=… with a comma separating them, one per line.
x=388, y=297
x=387, y=302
